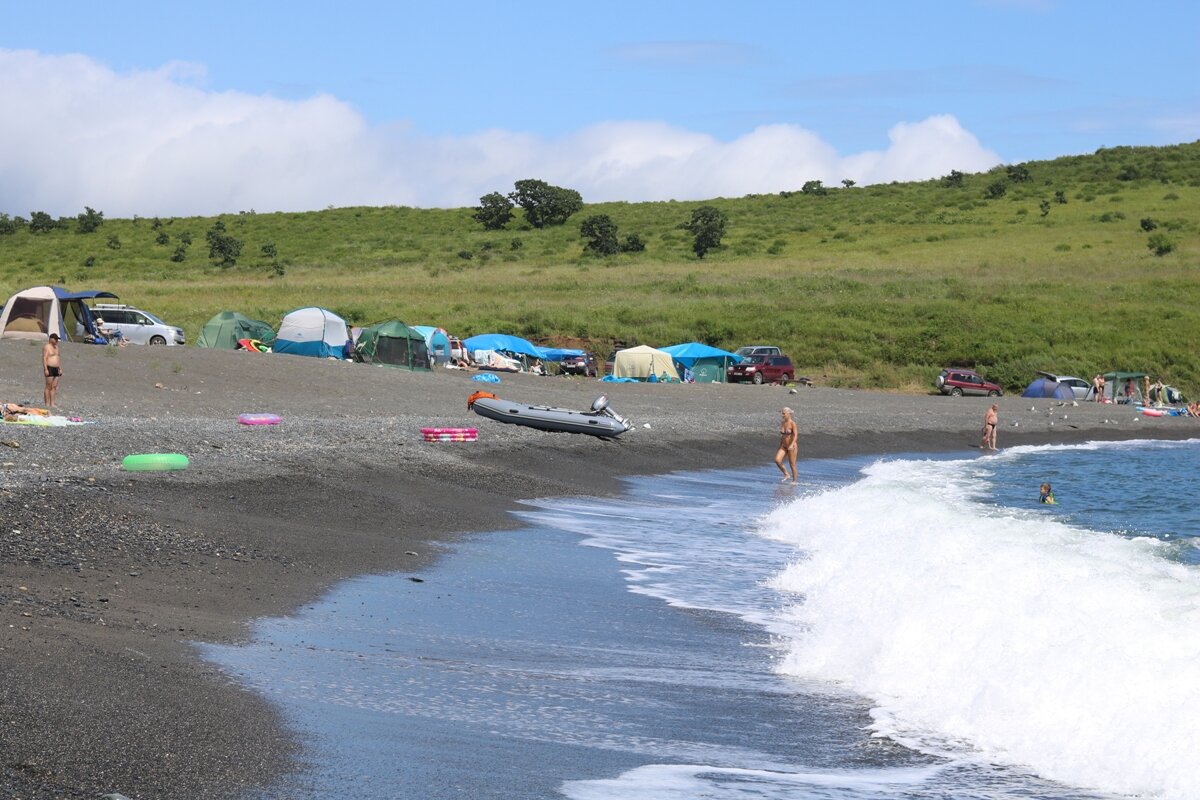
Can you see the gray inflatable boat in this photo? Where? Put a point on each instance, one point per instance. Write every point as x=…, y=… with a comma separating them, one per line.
x=599, y=421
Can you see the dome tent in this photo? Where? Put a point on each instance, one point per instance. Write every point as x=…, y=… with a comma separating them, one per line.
x=224, y=330
x=393, y=343
x=708, y=364
x=314, y=332
x=437, y=340
x=1045, y=387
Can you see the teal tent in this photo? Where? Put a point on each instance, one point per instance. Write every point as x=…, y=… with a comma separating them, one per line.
x=224, y=330
x=708, y=364
x=393, y=343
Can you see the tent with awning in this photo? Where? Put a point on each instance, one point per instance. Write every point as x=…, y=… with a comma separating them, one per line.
x=707, y=363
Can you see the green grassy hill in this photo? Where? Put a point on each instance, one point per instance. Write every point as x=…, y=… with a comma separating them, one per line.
x=876, y=286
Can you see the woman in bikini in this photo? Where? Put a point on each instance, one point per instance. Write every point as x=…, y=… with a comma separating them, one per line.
x=788, y=446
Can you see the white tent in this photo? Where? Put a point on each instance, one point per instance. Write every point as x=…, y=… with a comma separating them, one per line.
x=312, y=331
x=642, y=361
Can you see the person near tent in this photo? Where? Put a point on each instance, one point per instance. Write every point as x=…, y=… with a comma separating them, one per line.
x=51, y=370
x=1098, y=387
x=788, y=445
x=1128, y=391
x=990, y=420
x=536, y=367
x=108, y=334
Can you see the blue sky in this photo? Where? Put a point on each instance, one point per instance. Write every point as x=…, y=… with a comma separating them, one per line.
x=282, y=106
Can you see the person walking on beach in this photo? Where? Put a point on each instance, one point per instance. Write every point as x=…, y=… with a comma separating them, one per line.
x=990, y=420
x=52, y=370
x=788, y=445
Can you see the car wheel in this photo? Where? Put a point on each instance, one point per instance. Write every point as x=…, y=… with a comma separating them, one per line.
x=993, y=393
x=157, y=340
x=758, y=378
x=785, y=379
x=956, y=392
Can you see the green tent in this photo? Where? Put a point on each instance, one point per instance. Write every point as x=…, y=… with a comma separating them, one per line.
x=224, y=330
x=393, y=343
x=1114, y=387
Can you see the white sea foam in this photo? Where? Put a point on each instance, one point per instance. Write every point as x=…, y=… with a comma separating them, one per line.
x=994, y=633
x=690, y=781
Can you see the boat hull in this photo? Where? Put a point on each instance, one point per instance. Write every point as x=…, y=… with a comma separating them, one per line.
x=551, y=419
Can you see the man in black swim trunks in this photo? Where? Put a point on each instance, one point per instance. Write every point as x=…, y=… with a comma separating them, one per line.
x=52, y=369
x=990, y=421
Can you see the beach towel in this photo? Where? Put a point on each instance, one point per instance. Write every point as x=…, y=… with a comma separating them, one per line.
x=52, y=421
x=486, y=378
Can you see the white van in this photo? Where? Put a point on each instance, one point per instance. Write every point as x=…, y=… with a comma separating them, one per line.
x=137, y=326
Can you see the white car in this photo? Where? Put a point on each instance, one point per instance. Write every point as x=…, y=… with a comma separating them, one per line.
x=137, y=326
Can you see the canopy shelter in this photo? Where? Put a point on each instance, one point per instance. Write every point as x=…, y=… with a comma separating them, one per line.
x=504, y=343
x=559, y=353
x=393, y=343
x=223, y=331
x=1046, y=387
x=1114, y=387
x=643, y=361
x=313, y=331
x=707, y=363
x=38, y=312
x=436, y=340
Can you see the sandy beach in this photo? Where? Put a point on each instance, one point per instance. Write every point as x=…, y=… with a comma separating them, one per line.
x=108, y=577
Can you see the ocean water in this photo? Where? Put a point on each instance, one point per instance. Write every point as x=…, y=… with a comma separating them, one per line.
x=908, y=627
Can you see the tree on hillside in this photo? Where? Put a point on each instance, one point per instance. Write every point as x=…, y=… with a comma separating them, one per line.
x=545, y=204
x=223, y=248
x=494, y=211
x=1018, y=173
x=41, y=222
x=995, y=190
x=89, y=220
x=814, y=187
x=954, y=180
x=601, y=234
x=707, y=225
x=848, y=184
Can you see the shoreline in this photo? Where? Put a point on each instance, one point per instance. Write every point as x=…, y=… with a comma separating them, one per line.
x=108, y=577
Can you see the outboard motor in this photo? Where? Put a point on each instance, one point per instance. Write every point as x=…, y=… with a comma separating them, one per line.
x=600, y=403
x=600, y=406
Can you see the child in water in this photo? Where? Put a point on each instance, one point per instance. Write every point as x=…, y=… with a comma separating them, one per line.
x=1047, y=495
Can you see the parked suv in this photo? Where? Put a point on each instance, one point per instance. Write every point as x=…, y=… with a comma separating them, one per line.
x=957, y=382
x=137, y=326
x=757, y=350
x=762, y=369
x=580, y=365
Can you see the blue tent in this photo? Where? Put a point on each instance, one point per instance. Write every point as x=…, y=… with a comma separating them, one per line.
x=502, y=342
x=436, y=340
x=1044, y=387
x=708, y=364
x=687, y=354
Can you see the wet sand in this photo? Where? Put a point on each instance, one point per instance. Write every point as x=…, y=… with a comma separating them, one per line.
x=108, y=577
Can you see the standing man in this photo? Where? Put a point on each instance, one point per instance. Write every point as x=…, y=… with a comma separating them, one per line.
x=990, y=420
x=52, y=369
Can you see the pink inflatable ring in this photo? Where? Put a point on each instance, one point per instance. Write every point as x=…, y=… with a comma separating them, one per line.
x=259, y=419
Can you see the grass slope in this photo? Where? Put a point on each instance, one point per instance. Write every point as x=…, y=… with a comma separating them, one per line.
x=876, y=286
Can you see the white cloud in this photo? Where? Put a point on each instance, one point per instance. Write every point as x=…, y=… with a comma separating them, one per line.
x=156, y=144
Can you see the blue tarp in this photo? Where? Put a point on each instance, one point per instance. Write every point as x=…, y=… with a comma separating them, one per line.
x=504, y=342
x=687, y=354
x=558, y=353
x=1044, y=387
x=63, y=294
x=486, y=377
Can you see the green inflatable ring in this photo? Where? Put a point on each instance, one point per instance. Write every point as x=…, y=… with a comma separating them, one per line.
x=154, y=462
